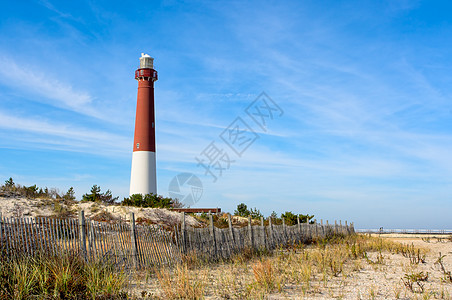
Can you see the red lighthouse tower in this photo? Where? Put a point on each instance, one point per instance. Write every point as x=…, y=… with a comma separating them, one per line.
x=143, y=178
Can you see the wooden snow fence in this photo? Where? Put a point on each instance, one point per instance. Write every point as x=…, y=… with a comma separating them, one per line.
x=127, y=244
x=215, y=243
x=124, y=244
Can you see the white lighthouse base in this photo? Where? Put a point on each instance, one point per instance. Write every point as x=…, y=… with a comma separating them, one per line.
x=143, y=179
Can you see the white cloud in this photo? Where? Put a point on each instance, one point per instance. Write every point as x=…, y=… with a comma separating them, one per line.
x=30, y=82
x=63, y=136
x=51, y=7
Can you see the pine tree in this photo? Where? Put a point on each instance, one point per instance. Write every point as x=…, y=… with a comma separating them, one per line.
x=70, y=194
x=9, y=183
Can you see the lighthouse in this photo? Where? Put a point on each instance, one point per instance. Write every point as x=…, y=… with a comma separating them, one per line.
x=143, y=179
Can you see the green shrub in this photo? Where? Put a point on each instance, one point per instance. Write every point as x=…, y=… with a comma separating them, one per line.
x=149, y=200
x=291, y=219
x=243, y=211
x=306, y=218
x=32, y=191
x=9, y=184
x=97, y=196
x=70, y=194
x=255, y=213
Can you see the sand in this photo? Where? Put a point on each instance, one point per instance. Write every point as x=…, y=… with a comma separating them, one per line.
x=384, y=281
x=368, y=281
x=23, y=207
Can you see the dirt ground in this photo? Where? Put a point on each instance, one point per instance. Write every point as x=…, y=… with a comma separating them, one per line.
x=361, y=279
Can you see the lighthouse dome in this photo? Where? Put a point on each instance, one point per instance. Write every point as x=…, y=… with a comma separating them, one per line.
x=146, y=61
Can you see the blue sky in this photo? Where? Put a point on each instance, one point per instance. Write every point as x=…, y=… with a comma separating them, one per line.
x=365, y=87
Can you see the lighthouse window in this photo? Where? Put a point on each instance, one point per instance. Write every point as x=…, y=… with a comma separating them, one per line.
x=138, y=145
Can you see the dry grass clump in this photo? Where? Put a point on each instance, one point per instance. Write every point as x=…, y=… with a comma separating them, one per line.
x=58, y=277
x=180, y=283
x=264, y=275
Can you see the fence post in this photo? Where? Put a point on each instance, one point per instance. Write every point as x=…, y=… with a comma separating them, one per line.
x=316, y=233
x=270, y=229
x=340, y=227
x=133, y=239
x=182, y=232
x=327, y=229
x=250, y=231
x=212, y=234
x=284, y=229
x=299, y=229
x=263, y=241
x=335, y=227
x=231, y=230
x=82, y=232
x=323, y=229
x=331, y=228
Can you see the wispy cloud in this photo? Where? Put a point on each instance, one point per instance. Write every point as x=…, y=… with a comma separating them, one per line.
x=44, y=88
x=63, y=136
x=51, y=7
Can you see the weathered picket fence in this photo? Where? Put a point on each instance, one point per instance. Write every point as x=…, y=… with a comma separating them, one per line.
x=212, y=242
x=124, y=244
x=131, y=245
